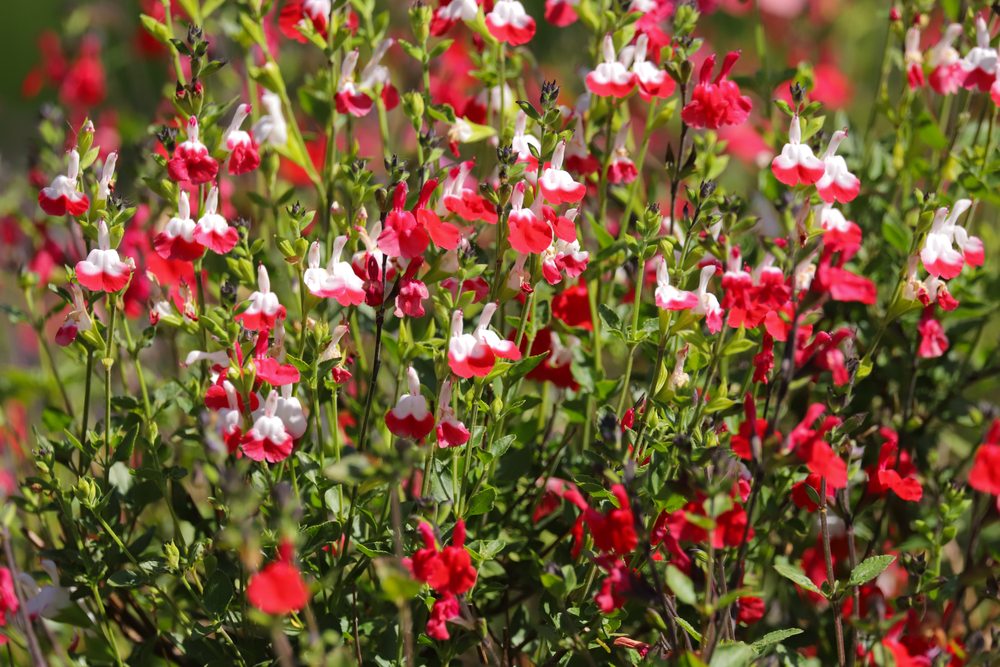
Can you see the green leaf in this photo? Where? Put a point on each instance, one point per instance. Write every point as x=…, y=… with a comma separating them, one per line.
x=609, y=317
x=218, y=593
x=775, y=637
x=731, y=655
x=869, y=569
x=482, y=502
x=124, y=449
x=689, y=628
x=126, y=579
x=55, y=419
x=719, y=403
x=736, y=346
x=681, y=585
x=798, y=576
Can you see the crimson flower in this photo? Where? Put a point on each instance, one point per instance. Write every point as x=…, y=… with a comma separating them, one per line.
x=890, y=474
x=402, y=236
x=801, y=497
x=448, y=572
x=818, y=454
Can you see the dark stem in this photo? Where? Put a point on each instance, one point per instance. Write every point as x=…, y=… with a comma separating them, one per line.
x=376, y=359
x=834, y=603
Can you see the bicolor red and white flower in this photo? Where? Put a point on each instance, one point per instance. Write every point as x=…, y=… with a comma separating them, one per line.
x=267, y=440
x=212, y=230
x=612, y=78
x=462, y=201
x=103, y=270
x=338, y=280
x=669, y=297
x=938, y=254
x=508, y=22
x=263, y=307
x=243, y=155
x=349, y=97
x=529, y=232
x=797, y=164
x=375, y=76
x=475, y=354
x=557, y=185
x=291, y=413
x=451, y=12
x=841, y=233
x=913, y=59
x=192, y=161
x=62, y=197
x=980, y=63
x=652, y=81
x=229, y=419
x=621, y=169
x=578, y=157
x=270, y=128
x=445, y=235
x=106, y=183
x=564, y=257
x=410, y=418
x=317, y=12
x=522, y=142
x=947, y=75
x=837, y=183
x=176, y=241
x=77, y=319
x=708, y=303
x=450, y=431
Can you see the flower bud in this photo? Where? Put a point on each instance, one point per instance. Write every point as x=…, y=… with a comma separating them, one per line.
x=382, y=199
x=487, y=192
x=172, y=555
x=506, y=190
x=86, y=138
x=420, y=21
x=413, y=108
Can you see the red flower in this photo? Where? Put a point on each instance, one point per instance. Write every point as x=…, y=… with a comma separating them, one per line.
x=572, y=307
x=410, y=417
x=191, y=161
x=617, y=582
x=444, y=610
x=555, y=367
x=763, y=362
x=718, y=103
x=278, y=588
x=613, y=532
x=889, y=474
x=402, y=236
x=84, y=84
x=449, y=570
x=751, y=426
x=751, y=610
x=985, y=473
x=801, y=497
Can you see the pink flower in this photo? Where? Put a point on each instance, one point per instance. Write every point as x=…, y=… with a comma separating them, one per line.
x=474, y=355
x=412, y=292
x=410, y=417
x=268, y=440
x=450, y=431
x=338, y=280
x=263, y=307
x=797, y=164
x=933, y=341
x=176, y=241
x=243, y=156
x=718, y=103
x=611, y=78
x=560, y=13
x=669, y=297
x=443, y=610
x=103, y=271
x=837, y=183
x=62, y=197
x=191, y=161
x=508, y=22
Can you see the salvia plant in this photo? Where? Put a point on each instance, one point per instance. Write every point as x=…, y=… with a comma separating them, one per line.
x=430, y=335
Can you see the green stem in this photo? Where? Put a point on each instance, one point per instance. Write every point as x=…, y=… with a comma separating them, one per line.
x=108, y=630
x=168, y=20
x=636, y=305
x=108, y=362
